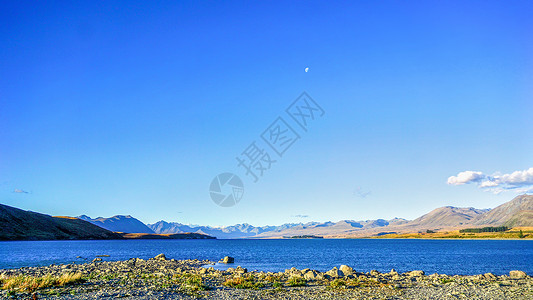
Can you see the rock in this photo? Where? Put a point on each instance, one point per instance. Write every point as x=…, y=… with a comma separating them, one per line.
x=490, y=276
x=334, y=273
x=228, y=260
x=396, y=277
x=160, y=257
x=241, y=270
x=393, y=272
x=374, y=273
x=416, y=273
x=310, y=275
x=346, y=270
x=517, y=274
x=97, y=259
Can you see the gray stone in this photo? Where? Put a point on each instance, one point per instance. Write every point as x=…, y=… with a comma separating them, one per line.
x=517, y=274
x=228, y=260
x=346, y=270
x=334, y=273
x=160, y=257
x=310, y=275
x=416, y=273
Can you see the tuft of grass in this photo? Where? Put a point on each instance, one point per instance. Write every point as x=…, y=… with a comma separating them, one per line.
x=191, y=282
x=446, y=280
x=243, y=283
x=296, y=281
x=23, y=283
x=337, y=284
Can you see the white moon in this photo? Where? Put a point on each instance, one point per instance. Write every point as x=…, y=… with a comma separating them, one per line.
x=306, y=69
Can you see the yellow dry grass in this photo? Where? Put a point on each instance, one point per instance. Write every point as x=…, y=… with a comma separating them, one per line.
x=513, y=233
x=65, y=217
x=23, y=283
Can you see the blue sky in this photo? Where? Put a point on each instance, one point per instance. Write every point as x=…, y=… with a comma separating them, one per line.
x=133, y=108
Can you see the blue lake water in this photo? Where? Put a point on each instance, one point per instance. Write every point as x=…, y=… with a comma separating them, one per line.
x=461, y=257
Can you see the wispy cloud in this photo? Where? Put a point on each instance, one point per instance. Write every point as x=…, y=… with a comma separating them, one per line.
x=19, y=191
x=517, y=181
x=300, y=216
x=359, y=192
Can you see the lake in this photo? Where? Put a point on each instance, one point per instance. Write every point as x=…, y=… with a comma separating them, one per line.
x=462, y=257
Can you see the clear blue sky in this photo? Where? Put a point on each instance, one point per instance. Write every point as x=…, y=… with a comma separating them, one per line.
x=111, y=107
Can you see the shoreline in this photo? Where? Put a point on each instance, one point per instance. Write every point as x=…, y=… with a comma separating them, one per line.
x=275, y=238
x=160, y=277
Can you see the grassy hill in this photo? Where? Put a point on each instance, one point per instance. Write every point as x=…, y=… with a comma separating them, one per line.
x=18, y=224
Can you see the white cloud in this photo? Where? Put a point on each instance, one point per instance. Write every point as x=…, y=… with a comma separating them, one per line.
x=465, y=177
x=518, y=177
x=517, y=181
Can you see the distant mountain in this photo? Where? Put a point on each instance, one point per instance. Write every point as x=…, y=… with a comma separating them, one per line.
x=517, y=212
x=18, y=224
x=289, y=229
x=331, y=229
x=126, y=224
x=229, y=232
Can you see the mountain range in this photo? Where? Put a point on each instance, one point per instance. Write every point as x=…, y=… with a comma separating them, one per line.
x=517, y=212
x=17, y=224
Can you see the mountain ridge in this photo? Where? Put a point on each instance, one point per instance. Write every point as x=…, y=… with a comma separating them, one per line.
x=18, y=224
x=119, y=223
x=516, y=212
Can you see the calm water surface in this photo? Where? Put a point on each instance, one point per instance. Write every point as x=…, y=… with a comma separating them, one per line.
x=433, y=256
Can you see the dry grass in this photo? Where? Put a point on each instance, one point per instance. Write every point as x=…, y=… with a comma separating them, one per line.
x=512, y=233
x=65, y=217
x=247, y=282
x=22, y=283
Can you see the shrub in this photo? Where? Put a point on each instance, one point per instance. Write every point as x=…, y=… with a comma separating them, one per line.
x=337, y=283
x=191, y=282
x=296, y=281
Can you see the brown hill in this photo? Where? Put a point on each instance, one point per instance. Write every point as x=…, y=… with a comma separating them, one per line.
x=18, y=224
x=517, y=212
x=446, y=217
